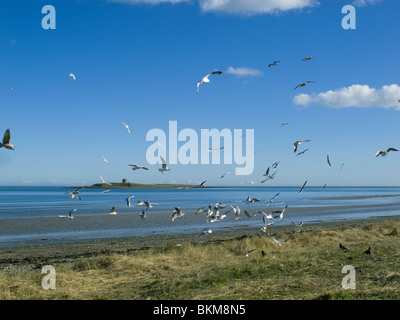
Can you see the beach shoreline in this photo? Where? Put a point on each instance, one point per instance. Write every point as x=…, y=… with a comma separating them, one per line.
x=56, y=253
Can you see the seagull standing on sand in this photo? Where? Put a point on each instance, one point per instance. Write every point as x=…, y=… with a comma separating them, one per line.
x=6, y=141
x=126, y=126
x=164, y=166
x=205, y=79
x=70, y=216
x=384, y=153
x=204, y=232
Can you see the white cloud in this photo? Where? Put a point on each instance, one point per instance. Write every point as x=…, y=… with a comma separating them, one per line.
x=359, y=96
x=254, y=6
x=147, y=1
x=363, y=3
x=238, y=6
x=244, y=72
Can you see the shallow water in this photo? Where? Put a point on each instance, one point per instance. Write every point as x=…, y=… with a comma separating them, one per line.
x=29, y=215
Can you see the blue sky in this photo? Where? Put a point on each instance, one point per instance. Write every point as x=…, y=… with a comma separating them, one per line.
x=139, y=63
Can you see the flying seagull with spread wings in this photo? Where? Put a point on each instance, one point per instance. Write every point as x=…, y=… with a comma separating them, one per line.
x=164, y=166
x=384, y=153
x=72, y=76
x=136, y=167
x=205, y=79
x=296, y=144
x=303, y=84
x=273, y=64
x=6, y=141
x=126, y=126
x=70, y=216
x=308, y=58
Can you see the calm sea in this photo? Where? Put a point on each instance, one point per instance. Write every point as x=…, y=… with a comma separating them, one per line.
x=29, y=215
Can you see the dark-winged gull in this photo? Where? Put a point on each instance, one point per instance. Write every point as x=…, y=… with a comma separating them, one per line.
x=205, y=79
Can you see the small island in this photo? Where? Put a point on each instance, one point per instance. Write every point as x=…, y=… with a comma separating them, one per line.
x=126, y=184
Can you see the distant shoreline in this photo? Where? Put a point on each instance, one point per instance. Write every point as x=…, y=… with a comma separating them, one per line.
x=119, y=185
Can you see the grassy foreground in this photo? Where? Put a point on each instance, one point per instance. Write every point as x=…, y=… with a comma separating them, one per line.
x=308, y=266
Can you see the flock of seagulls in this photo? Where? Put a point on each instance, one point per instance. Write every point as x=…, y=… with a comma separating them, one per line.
x=214, y=213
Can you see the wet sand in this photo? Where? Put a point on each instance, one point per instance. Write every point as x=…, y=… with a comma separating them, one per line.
x=55, y=253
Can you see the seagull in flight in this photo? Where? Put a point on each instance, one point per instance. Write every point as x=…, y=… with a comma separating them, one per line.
x=308, y=58
x=164, y=166
x=302, y=152
x=273, y=64
x=223, y=176
x=109, y=184
x=303, y=84
x=106, y=191
x=384, y=153
x=205, y=79
x=298, y=226
x=266, y=225
x=296, y=143
x=249, y=215
x=246, y=253
x=284, y=124
x=177, y=213
x=70, y=216
x=105, y=160
x=73, y=196
x=6, y=141
x=327, y=160
x=112, y=212
x=199, y=210
x=136, y=167
x=128, y=201
x=72, y=76
x=279, y=243
x=202, y=183
x=215, y=149
x=126, y=126
x=143, y=214
x=302, y=188
x=250, y=200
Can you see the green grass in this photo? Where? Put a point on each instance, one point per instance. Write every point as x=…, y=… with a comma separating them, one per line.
x=308, y=267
